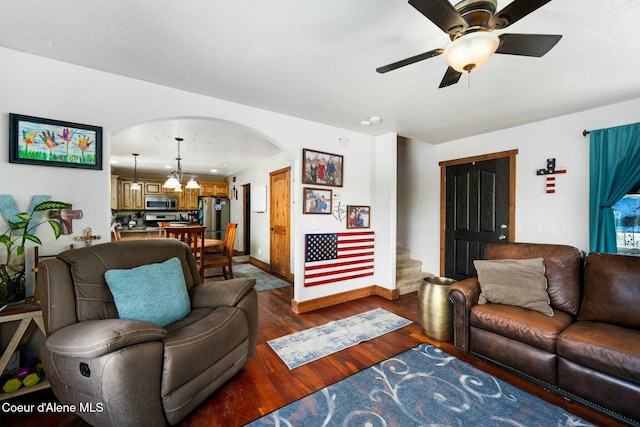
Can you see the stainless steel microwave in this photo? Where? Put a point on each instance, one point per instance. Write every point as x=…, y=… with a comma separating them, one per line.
x=160, y=203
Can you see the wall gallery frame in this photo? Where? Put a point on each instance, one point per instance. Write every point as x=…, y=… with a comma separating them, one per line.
x=320, y=168
x=47, y=142
x=358, y=216
x=317, y=201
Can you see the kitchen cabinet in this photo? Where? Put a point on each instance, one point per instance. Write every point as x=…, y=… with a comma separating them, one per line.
x=130, y=199
x=189, y=199
x=115, y=200
x=152, y=188
x=215, y=189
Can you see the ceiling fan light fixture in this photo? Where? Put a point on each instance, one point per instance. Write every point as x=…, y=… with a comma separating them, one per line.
x=471, y=51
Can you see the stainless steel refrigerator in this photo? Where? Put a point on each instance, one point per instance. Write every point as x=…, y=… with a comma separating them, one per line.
x=213, y=213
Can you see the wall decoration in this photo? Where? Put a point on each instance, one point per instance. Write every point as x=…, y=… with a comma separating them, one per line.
x=336, y=257
x=317, y=201
x=339, y=213
x=65, y=216
x=549, y=171
x=358, y=216
x=320, y=168
x=46, y=142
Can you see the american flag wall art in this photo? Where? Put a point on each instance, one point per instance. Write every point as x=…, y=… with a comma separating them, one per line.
x=335, y=257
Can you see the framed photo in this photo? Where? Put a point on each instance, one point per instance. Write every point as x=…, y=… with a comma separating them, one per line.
x=317, y=201
x=320, y=168
x=46, y=142
x=358, y=216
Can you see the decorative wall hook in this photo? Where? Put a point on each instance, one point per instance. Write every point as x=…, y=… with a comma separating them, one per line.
x=65, y=216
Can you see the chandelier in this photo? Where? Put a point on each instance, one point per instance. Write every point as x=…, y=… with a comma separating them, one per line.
x=135, y=185
x=175, y=178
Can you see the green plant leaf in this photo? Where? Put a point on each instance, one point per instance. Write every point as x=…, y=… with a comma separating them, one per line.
x=17, y=225
x=20, y=250
x=24, y=216
x=44, y=206
x=57, y=228
x=33, y=238
x=5, y=240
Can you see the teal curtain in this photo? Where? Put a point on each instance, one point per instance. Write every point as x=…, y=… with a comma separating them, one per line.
x=614, y=167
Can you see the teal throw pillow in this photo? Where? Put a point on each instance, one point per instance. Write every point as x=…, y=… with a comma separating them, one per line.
x=155, y=292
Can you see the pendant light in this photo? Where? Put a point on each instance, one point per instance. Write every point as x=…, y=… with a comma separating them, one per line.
x=135, y=185
x=175, y=178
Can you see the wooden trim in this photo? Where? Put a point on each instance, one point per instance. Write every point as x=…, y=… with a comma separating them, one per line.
x=511, y=154
x=267, y=267
x=480, y=158
x=328, y=301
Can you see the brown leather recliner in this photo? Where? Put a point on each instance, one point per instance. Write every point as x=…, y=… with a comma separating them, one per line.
x=119, y=372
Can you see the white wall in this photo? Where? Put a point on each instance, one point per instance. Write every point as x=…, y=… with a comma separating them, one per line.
x=44, y=88
x=563, y=216
x=258, y=177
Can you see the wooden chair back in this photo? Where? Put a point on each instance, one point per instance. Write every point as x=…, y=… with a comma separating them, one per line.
x=161, y=226
x=192, y=236
x=224, y=260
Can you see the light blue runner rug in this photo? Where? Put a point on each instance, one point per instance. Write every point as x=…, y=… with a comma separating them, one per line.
x=312, y=344
x=421, y=387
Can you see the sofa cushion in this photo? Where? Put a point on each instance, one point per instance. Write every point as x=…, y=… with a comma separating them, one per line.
x=562, y=268
x=519, y=282
x=154, y=293
x=602, y=347
x=612, y=290
x=526, y=326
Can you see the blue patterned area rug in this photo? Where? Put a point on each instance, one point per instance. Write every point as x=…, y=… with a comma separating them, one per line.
x=312, y=344
x=423, y=386
x=264, y=280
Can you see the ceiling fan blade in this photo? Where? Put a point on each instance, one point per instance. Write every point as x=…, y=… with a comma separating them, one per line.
x=411, y=60
x=451, y=77
x=527, y=44
x=440, y=12
x=515, y=11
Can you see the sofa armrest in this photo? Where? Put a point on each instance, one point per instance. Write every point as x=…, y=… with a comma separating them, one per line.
x=463, y=295
x=223, y=293
x=95, y=338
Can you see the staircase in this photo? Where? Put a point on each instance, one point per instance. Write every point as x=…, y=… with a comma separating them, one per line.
x=409, y=272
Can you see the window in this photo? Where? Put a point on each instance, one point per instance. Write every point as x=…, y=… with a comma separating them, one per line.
x=627, y=219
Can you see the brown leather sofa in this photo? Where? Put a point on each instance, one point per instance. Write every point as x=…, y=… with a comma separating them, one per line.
x=589, y=350
x=123, y=372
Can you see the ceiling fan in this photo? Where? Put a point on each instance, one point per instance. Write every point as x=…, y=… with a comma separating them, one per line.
x=470, y=25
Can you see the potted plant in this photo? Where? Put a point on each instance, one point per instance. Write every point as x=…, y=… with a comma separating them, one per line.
x=12, y=271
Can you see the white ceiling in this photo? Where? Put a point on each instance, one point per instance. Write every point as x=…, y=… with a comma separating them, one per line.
x=316, y=59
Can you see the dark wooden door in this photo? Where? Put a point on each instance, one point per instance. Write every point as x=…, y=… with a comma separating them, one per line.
x=477, y=212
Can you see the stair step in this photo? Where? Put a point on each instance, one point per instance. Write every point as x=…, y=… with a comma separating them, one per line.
x=411, y=282
x=402, y=254
x=408, y=266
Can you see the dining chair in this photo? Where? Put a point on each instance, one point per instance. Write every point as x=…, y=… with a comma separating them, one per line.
x=224, y=259
x=192, y=236
x=161, y=226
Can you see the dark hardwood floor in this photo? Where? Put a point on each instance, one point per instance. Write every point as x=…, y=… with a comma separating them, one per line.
x=267, y=384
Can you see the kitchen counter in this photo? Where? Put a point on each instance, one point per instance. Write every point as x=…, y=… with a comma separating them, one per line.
x=138, y=229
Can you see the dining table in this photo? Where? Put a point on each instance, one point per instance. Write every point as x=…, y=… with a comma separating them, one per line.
x=210, y=245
